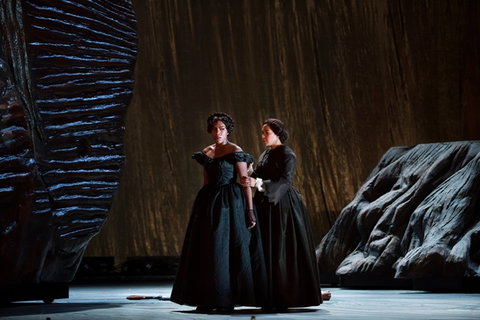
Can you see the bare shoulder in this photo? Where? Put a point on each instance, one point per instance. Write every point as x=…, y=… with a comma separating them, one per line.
x=235, y=148
x=209, y=149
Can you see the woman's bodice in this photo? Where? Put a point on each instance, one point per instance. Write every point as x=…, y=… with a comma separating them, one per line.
x=276, y=167
x=222, y=170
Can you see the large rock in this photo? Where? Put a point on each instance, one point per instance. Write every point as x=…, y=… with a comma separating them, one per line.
x=417, y=215
x=66, y=78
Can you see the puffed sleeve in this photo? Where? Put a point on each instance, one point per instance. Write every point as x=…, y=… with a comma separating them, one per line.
x=243, y=157
x=199, y=156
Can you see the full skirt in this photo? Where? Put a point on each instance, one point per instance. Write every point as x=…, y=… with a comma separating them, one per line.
x=292, y=272
x=221, y=264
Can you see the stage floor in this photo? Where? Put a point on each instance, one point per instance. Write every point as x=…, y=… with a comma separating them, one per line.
x=107, y=300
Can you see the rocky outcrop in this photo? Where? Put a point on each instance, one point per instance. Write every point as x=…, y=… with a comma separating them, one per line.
x=66, y=78
x=417, y=215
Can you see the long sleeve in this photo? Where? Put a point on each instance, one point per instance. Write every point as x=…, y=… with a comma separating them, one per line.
x=276, y=168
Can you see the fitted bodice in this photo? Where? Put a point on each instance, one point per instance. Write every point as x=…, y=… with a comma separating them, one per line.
x=221, y=170
x=276, y=167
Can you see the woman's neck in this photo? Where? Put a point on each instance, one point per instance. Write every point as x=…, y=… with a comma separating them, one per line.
x=273, y=146
x=221, y=144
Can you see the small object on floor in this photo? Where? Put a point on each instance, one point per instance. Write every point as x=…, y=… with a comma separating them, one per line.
x=326, y=295
x=142, y=297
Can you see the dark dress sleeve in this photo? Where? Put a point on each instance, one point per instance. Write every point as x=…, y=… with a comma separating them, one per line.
x=241, y=156
x=199, y=156
x=284, y=161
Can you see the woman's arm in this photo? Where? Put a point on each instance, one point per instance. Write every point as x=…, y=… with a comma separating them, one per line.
x=242, y=172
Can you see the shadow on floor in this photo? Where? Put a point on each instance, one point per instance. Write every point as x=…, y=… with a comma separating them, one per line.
x=25, y=309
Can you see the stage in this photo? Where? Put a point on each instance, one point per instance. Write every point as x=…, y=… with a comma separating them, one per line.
x=107, y=300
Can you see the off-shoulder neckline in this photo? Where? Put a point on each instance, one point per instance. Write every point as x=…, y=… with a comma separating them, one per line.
x=223, y=155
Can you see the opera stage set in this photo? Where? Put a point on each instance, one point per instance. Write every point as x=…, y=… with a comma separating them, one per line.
x=103, y=102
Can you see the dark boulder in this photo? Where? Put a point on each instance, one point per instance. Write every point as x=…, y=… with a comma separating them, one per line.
x=417, y=215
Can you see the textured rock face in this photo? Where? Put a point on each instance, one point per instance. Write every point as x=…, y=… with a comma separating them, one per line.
x=66, y=78
x=417, y=215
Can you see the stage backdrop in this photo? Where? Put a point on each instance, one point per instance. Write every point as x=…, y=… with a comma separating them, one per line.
x=350, y=79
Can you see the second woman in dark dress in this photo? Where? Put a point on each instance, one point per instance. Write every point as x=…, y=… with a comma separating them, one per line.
x=292, y=272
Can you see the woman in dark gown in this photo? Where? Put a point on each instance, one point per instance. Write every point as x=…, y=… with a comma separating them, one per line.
x=292, y=271
x=221, y=264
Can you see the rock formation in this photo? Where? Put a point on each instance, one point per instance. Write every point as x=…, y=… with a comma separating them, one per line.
x=66, y=78
x=417, y=215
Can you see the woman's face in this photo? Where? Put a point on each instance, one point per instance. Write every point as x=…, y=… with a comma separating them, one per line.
x=270, y=139
x=219, y=132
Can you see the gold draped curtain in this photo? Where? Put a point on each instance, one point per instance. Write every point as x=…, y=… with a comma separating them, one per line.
x=350, y=78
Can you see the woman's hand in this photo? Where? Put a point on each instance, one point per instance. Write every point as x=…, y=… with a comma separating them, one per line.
x=250, y=218
x=246, y=181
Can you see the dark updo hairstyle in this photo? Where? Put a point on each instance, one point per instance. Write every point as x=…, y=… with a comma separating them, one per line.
x=278, y=128
x=220, y=116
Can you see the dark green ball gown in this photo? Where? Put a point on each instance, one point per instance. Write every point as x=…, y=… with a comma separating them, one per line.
x=221, y=264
